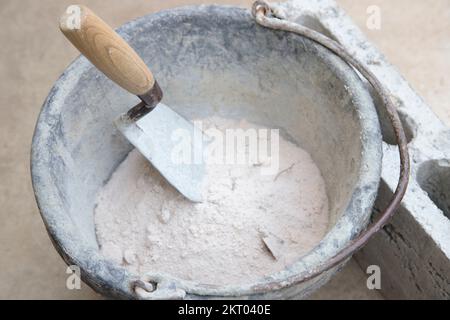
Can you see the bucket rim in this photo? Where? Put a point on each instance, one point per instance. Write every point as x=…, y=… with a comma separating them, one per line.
x=116, y=280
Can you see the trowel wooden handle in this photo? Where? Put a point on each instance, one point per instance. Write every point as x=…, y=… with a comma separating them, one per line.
x=106, y=49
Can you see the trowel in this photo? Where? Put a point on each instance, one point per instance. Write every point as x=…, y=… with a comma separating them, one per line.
x=153, y=128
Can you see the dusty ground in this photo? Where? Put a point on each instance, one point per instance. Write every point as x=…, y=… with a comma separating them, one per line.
x=415, y=37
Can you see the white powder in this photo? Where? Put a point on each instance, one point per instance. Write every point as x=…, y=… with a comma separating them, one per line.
x=250, y=225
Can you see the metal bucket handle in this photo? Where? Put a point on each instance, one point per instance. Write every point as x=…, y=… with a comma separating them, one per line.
x=164, y=287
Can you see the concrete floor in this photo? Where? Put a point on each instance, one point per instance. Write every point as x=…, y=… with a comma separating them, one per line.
x=414, y=36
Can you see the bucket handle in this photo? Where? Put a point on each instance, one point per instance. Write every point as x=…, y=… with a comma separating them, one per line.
x=269, y=16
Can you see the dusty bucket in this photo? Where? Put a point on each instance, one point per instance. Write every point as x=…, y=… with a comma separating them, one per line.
x=211, y=60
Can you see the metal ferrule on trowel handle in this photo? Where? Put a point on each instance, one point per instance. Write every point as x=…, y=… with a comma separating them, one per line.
x=149, y=126
x=149, y=102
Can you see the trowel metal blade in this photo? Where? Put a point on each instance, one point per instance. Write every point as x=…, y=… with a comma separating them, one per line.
x=159, y=136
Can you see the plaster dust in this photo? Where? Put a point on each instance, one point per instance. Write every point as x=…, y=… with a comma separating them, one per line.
x=249, y=226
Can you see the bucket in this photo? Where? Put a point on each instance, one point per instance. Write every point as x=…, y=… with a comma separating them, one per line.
x=210, y=60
